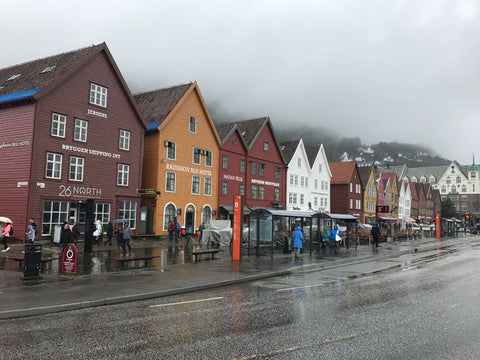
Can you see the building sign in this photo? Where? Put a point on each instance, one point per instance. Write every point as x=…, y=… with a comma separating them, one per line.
x=188, y=169
x=237, y=226
x=79, y=191
x=96, y=113
x=69, y=259
x=90, y=151
x=15, y=144
x=262, y=182
x=231, y=177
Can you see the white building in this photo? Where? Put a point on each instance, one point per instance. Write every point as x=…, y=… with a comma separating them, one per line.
x=404, y=204
x=320, y=175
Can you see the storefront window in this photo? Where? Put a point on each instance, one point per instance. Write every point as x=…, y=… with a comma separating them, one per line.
x=128, y=210
x=54, y=213
x=168, y=215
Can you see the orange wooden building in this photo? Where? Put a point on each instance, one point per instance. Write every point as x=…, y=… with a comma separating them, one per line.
x=180, y=164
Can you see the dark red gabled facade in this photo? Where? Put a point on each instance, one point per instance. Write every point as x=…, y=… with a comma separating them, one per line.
x=66, y=146
x=414, y=209
x=422, y=202
x=346, y=190
x=250, y=164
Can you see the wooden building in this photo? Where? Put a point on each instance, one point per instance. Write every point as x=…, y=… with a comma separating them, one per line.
x=369, y=187
x=71, y=131
x=180, y=166
x=346, y=189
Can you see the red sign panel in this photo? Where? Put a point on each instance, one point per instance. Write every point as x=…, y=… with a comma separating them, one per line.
x=69, y=259
x=237, y=226
x=437, y=225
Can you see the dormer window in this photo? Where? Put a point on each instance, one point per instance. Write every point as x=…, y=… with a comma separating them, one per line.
x=453, y=169
x=13, y=77
x=48, y=69
x=192, y=124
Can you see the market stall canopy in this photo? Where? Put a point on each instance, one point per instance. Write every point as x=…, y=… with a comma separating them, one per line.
x=386, y=218
x=346, y=217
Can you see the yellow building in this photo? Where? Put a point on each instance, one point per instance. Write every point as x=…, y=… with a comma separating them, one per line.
x=180, y=162
x=370, y=194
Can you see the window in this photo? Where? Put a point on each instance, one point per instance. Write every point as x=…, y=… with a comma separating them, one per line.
x=242, y=189
x=290, y=198
x=316, y=184
x=207, y=186
x=319, y=167
x=122, y=174
x=351, y=203
x=302, y=181
x=302, y=199
x=224, y=188
x=464, y=206
x=296, y=180
x=127, y=210
x=464, y=188
x=54, y=212
x=261, y=172
x=170, y=184
x=254, y=168
x=351, y=187
x=195, y=184
x=224, y=162
x=358, y=188
x=58, y=125
x=192, y=124
x=358, y=204
x=278, y=171
x=463, y=197
x=80, y=130
x=294, y=198
x=208, y=158
x=169, y=214
x=54, y=166
x=299, y=162
x=76, y=168
x=98, y=95
x=102, y=213
x=306, y=182
x=458, y=179
x=254, y=191
x=291, y=179
x=196, y=156
x=276, y=194
x=242, y=166
x=444, y=189
x=315, y=201
x=265, y=146
x=124, y=140
x=171, y=150
x=261, y=192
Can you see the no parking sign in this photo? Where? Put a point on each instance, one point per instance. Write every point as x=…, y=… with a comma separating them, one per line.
x=69, y=259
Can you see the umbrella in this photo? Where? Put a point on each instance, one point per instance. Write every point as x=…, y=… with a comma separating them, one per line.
x=119, y=221
x=5, y=220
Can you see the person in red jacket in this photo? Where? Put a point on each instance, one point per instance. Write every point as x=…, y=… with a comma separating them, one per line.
x=171, y=229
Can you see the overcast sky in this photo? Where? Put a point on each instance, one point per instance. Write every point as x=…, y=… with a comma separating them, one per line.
x=404, y=71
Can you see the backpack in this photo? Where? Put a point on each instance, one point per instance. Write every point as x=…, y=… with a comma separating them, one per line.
x=10, y=233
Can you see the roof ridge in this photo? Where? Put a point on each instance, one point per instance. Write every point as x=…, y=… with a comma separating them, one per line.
x=164, y=88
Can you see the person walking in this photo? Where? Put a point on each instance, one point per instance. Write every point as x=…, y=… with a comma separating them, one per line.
x=336, y=237
x=75, y=233
x=66, y=235
x=31, y=230
x=171, y=229
x=126, y=239
x=119, y=238
x=375, y=234
x=109, y=233
x=5, y=235
x=298, y=241
x=178, y=227
x=98, y=231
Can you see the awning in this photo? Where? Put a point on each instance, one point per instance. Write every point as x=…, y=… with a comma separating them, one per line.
x=386, y=218
x=284, y=213
x=346, y=217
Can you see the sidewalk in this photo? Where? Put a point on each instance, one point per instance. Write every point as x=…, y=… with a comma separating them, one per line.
x=52, y=294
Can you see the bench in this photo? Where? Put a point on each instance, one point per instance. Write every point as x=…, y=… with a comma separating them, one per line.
x=21, y=258
x=123, y=259
x=197, y=252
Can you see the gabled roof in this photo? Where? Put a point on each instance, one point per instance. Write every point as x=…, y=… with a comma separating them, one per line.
x=37, y=78
x=365, y=175
x=249, y=130
x=288, y=149
x=158, y=104
x=312, y=152
x=427, y=171
x=386, y=180
x=342, y=172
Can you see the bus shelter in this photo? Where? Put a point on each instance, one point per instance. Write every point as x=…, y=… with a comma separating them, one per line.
x=323, y=224
x=271, y=230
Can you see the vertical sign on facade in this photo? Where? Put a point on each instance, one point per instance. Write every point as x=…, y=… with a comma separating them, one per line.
x=237, y=226
x=437, y=225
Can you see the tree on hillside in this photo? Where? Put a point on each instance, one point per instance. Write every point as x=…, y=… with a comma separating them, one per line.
x=448, y=209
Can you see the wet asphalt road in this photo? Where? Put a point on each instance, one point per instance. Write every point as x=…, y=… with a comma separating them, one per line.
x=427, y=309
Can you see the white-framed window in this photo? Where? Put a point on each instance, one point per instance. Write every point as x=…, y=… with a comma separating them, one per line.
x=192, y=124
x=207, y=186
x=261, y=171
x=290, y=198
x=195, y=184
x=127, y=210
x=351, y=187
x=102, y=213
x=98, y=95
x=351, y=203
x=319, y=167
x=224, y=188
x=302, y=199
x=208, y=158
x=302, y=181
x=254, y=168
x=265, y=146
x=276, y=194
x=315, y=201
x=124, y=143
x=196, y=156
x=122, y=174
x=299, y=162
x=278, y=171
x=296, y=180
x=58, y=125
x=54, y=166
x=316, y=183
x=170, y=183
x=294, y=198
x=242, y=166
x=241, y=189
x=54, y=213
x=306, y=182
x=358, y=188
x=80, y=130
x=224, y=162
x=171, y=150
x=291, y=179
x=358, y=204
x=169, y=214
x=261, y=192
x=254, y=191
x=76, y=168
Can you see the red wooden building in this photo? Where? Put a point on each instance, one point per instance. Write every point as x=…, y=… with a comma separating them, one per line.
x=251, y=164
x=71, y=131
x=346, y=189
x=415, y=203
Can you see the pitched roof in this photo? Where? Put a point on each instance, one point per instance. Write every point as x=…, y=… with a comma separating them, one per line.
x=156, y=105
x=38, y=74
x=312, y=152
x=365, y=175
x=341, y=172
x=224, y=130
x=427, y=171
x=288, y=148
